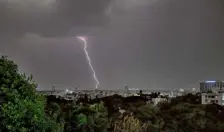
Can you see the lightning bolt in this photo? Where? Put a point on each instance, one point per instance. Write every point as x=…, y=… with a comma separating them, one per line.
x=89, y=60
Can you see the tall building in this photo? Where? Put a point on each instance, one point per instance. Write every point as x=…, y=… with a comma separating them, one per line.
x=212, y=92
x=209, y=86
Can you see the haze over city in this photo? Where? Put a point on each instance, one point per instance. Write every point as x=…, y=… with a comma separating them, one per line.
x=141, y=43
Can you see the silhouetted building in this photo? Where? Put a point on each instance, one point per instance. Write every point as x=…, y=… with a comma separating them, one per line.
x=126, y=87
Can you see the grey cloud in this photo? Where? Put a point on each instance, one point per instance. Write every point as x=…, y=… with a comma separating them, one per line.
x=146, y=44
x=51, y=20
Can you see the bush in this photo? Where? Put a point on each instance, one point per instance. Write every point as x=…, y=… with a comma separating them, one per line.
x=91, y=117
x=129, y=124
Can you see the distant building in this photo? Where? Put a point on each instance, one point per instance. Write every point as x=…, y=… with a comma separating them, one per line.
x=212, y=92
x=158, y=100
x=210, y=98
x=208, y=86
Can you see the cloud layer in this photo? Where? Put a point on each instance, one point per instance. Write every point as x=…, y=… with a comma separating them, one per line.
x=51, y=17
x=143, y=43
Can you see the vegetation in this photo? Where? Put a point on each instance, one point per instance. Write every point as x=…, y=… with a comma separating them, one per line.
x=24, y=110
x=129, y=124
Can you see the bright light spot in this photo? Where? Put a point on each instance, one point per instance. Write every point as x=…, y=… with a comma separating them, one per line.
x=82, y=38
x=210, y=81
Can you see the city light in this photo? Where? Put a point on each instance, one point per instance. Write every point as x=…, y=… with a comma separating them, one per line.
x=210, y=81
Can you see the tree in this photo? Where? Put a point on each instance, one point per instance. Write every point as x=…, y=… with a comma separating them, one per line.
x=100, y=117
x=55, y=114
x=90, y=117
x=22, y=109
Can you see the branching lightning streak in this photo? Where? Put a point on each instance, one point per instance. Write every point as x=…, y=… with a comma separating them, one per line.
x=89, y=61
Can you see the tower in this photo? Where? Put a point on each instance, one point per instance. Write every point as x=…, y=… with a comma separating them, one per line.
x=53, y=89
x=126, y=87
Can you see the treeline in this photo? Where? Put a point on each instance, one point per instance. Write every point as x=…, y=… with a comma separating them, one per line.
x=24, y=110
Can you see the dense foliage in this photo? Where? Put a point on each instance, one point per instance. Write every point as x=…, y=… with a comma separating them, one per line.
x=24, y=110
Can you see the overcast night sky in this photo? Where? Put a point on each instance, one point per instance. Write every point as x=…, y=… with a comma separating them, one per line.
x=142, y=43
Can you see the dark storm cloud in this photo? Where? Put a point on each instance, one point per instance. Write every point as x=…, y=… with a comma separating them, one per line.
x=51, y=17
x=146, y=43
